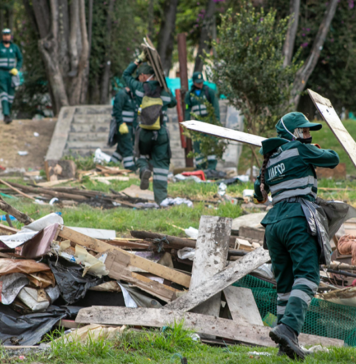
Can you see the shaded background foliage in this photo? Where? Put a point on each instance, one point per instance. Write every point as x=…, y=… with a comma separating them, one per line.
x=334, y=75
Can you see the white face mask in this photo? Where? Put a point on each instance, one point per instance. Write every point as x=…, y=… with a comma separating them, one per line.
x=298, y=133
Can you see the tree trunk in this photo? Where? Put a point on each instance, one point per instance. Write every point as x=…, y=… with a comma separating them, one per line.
x=166, y=34
x=304, y=73
x=205, y=35
x=63, y=44
x=104, y=98
x=292, y=32
x=150, y=17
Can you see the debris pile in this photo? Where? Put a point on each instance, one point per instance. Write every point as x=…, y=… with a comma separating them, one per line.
x=53, y=275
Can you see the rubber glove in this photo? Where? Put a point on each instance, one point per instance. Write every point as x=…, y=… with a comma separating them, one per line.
x=317, y=145
x=142, y=57
x=123, y=129
x=14, y=71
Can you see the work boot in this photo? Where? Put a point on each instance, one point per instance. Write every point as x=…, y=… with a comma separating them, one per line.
x=7, y=119
x=145, y=179
x=282, y=352
x=288, y=341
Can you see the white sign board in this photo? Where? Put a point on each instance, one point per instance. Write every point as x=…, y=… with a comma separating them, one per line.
x=222, y=132
x=332, y=119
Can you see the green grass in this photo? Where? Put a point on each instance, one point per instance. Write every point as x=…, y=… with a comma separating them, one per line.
x=324, y=137
x=168, y=346
x=125, y=219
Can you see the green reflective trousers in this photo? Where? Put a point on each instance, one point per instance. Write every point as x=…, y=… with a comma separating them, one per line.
x=7, y=92
x=294, y=255
x=155, y=151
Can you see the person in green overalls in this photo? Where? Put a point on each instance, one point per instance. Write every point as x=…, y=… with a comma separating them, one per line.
x=194, y=103
x=152, y=147
x=288, y=172
x=10, y=64
x=125, y=114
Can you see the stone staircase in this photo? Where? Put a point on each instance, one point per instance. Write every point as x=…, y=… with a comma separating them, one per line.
x=80, y=130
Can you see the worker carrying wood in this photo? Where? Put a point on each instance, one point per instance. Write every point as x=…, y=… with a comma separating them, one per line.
x=125, y=115
x=195, y=101
x=288, y=172
x=10, y=64
x=152, y=147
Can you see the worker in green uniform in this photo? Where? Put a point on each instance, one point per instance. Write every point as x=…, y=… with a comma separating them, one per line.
x=194, y=103
x=288, y=172
x=10, y=64
x=152, y=147
x=125, y=114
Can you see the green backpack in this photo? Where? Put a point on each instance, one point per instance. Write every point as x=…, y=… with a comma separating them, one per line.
x=151, y=108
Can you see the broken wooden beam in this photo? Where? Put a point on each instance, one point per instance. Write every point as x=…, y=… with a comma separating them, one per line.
x=136, y=261
x=153, y=317
x=210, y=258
x=232, y=273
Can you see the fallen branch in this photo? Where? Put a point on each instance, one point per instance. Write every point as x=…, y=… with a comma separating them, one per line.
x=15, y=189
x=20, y=216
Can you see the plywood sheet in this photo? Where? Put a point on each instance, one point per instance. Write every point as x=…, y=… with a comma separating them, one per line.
x=222, y=132
x=330, y=116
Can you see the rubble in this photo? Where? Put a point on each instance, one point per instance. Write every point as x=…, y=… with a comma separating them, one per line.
x=97, y=279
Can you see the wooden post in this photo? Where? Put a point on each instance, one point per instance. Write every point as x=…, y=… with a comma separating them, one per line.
x=184, y=88
x=210, y=258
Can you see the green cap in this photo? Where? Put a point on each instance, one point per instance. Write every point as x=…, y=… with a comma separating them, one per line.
x=6, y=31
x=198, y=77
x=289, y=122
x=145, y=69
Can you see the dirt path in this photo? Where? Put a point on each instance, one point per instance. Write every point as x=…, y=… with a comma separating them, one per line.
x=19, y=136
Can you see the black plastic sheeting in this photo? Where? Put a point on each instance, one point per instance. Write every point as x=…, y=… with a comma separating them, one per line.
x=71, y=283
x=28, y=330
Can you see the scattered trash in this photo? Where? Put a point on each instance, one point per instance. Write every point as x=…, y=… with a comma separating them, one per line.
x=100, y=157
x=192, y=232
x=186, y=253
x=36, y=134
x=259, y=353
x=176, y=201
x=222, y=189
x=22, y=152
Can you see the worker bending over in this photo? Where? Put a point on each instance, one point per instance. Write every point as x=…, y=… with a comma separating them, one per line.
x=288, y=172
x=10, y=64
x=195, y=101
x=152, y=140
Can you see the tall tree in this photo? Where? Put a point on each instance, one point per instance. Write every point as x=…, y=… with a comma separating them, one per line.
x=206, y=34
x=288, y=47
x=63, y=45
x=166, y=34
x=305, y=72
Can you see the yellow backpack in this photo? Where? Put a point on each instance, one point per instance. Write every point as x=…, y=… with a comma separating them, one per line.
x=151, y=108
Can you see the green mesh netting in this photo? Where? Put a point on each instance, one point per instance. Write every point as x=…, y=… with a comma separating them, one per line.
x=323, y=318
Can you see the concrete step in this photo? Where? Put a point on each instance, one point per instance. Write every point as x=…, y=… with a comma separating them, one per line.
x=90, y=128
x=93, y=109
x=85, y=152
x=98, y=137
x=91, y=119
x=92, y=145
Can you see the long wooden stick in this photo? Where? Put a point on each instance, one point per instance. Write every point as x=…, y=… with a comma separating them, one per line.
x=20, y=216
x=15, y=189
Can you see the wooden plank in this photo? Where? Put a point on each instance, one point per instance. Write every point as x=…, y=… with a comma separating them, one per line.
x=242, y=305
x=117, y=265
x=210, y=258
x=16, y=190
x=232, y=273
x=153, y=317
x=60, y=134
x=224, y=133
x=136, y=261
x=330, y=116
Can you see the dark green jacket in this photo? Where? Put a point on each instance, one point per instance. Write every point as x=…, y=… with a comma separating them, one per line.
x=125, y=108
x=136, y=87
x=290, y=172
x=195, y=104
x=10, y=57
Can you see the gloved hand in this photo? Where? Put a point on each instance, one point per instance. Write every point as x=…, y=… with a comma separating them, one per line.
x=123, y=129
x=14, y=72
x=317, y=145
x=142, y=57
x=256, y=201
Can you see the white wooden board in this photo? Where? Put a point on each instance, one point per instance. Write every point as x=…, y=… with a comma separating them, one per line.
x=242, y=305
x=222, y=132
x=335, y=124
